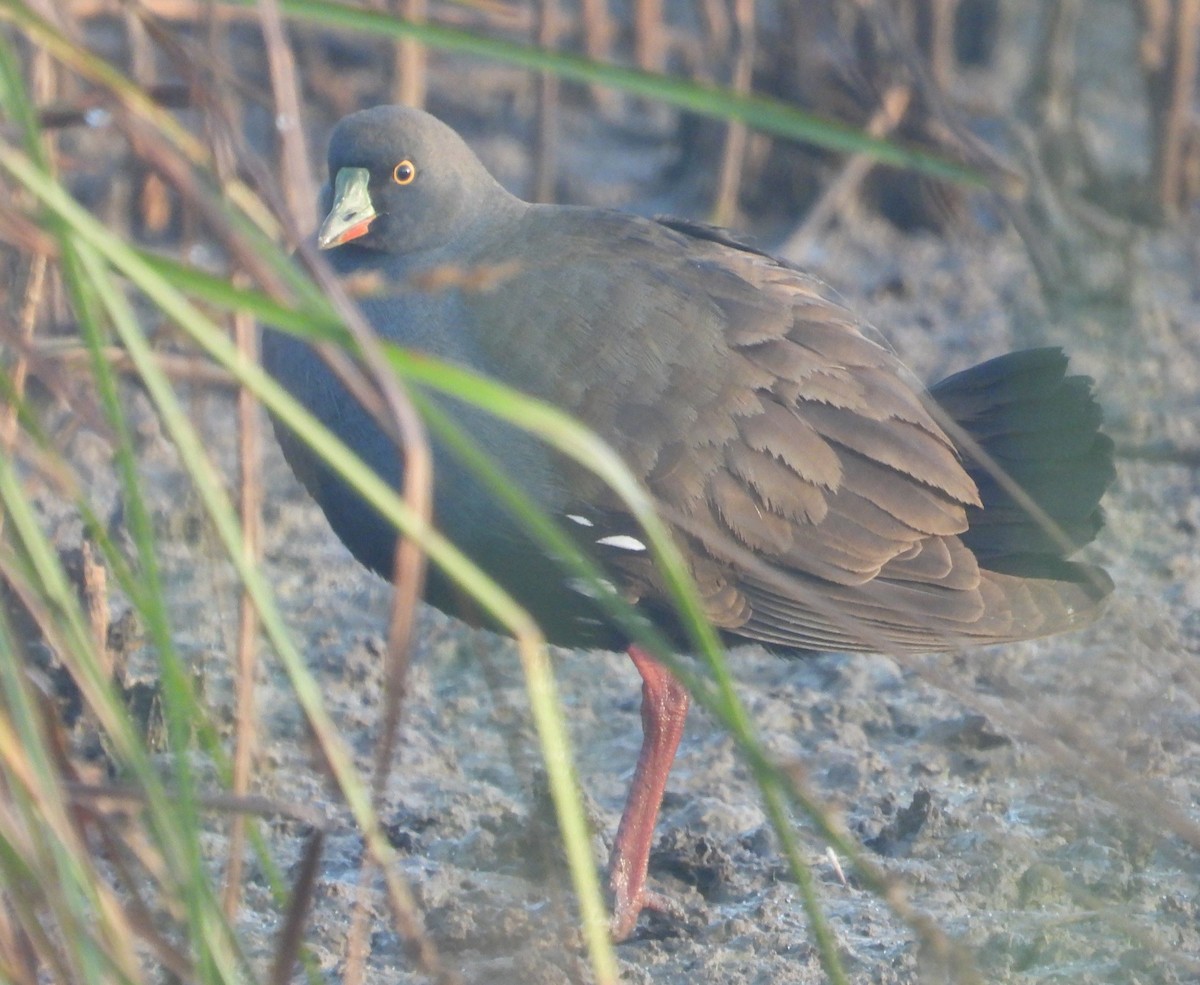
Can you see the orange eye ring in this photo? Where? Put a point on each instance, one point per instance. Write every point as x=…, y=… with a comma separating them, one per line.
x=404, y=172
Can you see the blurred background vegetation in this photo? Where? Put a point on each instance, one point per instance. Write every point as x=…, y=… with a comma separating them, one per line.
x=158, y=171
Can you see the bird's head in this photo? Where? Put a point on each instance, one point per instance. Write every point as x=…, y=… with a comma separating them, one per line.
x=401, y=181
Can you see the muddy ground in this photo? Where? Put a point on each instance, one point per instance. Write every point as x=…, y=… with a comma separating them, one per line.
x=1037, y=801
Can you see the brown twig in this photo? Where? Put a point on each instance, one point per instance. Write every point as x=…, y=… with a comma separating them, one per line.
x=717, y=27
x=410, y=57
x=893, y=105
x=104, y=796
x=61, y=114
x=291, y=934
x=725, y=203
x=599, y=29
x=299, y=188
x=250, y=512
x=1167, y=50
x=545, y=167
x=181, y=368
x=649, y=35
x=93, y=584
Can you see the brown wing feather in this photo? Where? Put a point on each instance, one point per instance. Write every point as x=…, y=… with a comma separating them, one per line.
x=818, y=501
x=880, y=558
x=835, y=475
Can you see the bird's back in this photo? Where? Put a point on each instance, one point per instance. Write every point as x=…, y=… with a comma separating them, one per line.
x=822, y=498
x=813, y=483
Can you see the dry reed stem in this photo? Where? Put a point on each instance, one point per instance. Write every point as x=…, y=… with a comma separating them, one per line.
x=545, y=158
x=892, y=107
x=733, y=154
x=250, y=500
x=410, y=57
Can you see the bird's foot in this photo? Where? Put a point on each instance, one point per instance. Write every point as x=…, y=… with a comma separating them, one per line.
x=626, y=911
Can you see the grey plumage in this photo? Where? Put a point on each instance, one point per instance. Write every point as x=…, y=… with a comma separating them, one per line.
x=813, y=488
x=821, y=498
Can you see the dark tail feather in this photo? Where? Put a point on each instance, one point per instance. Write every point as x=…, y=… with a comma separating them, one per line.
x=1042, y=428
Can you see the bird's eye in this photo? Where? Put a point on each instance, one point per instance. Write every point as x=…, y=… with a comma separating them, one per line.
x=404, y=172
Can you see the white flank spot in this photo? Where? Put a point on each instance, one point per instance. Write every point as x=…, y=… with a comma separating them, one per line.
x=587, y=588
x=583, y=521
x=622, y=541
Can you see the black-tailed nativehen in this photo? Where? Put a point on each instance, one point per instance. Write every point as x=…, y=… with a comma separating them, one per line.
x=822, y=499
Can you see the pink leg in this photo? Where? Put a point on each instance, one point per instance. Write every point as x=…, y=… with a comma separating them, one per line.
x=664, y=710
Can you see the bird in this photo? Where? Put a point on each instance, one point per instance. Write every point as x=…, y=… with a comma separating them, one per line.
x=823, y=500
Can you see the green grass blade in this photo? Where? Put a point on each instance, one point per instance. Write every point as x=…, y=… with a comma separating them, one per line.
x=382, y=497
